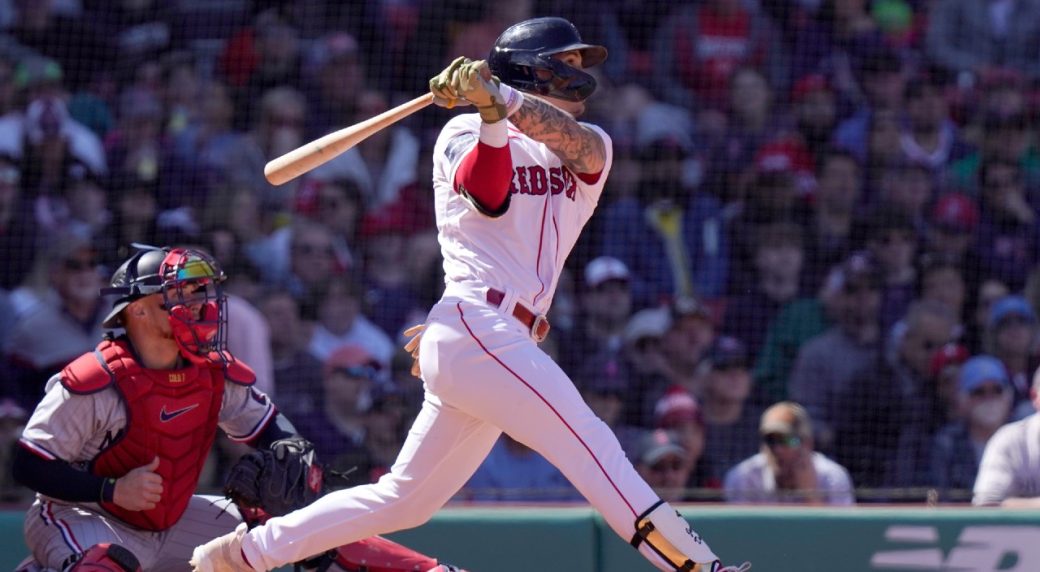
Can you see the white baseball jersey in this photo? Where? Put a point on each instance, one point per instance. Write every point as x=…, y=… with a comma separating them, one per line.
x=481, y=368
x=1010, y=465
x=524, y=249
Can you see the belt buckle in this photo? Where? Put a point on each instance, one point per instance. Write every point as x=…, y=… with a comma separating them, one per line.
x=540, y=328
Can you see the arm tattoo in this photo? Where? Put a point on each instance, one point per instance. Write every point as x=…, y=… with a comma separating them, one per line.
x=580, y=148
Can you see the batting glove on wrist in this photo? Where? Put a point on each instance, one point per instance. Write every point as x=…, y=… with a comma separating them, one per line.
x=222, y=554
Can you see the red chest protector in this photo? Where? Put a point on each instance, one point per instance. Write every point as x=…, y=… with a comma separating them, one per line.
x=170, y=413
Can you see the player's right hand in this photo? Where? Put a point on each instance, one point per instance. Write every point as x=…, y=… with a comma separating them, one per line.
x=140, y=489
x=442, y=88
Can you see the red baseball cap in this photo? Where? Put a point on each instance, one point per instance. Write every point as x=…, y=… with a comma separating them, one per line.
x=956, y=212
x=949, y=354
x=808, y=84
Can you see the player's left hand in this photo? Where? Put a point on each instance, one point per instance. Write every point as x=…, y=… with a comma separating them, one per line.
x=222, y=554
x=473, y=82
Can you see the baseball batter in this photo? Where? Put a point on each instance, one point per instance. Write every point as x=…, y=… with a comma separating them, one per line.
x=514, y=185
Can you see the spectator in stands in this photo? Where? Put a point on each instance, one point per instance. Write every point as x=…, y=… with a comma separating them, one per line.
x=389, y=294
x=276, y=48
x=135, y=217
x=778, y=257
x=751, y=121
x=605, y=383
x=312, y=258
x=382, y=417
x=985, y=397
x=890, y=237
x=664, y=464
x=512, y=472
x=278, y=127
x=643, y=353
x=985, y=295
x=208, y=139
x=834, y=36
x=798, y=322
x=688, y=340
x=1008, y=240
x=605, y=305
x=788, y=469
x=670, y=237
x=828, y=364
x=816, y=113
x=297, y=374
x=698, y=48
x=907, y=186
x=942, y=280
x=336, y=308
x=336, y=75
x=883, y=80
x=679, y=412
x=884, y=129
x=945, y=369
x=78, y=44
x=19, y=236
x=1007, y=136
x=929, y=137
x=972, y=36
x=1011, y=336
x=86, y=199
x=59, y=314
x=730, y=415
x=1009, y=472
x=951, y=230
x=887, y=419
x=830, y=225
x=339, y=205
x=337, y=427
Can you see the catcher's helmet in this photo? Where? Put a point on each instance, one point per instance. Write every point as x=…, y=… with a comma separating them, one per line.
x=190, y=284
x=525, y=48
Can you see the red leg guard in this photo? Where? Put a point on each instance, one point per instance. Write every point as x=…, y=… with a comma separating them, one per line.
x=378, y=554
x=106, y=558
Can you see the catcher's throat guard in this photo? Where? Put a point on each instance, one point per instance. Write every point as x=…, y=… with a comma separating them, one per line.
x=667, y=533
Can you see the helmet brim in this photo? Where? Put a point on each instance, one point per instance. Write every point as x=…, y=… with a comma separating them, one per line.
x=591, y=55
x=112, y=320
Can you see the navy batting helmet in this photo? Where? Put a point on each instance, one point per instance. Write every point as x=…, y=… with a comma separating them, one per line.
x=525, y=49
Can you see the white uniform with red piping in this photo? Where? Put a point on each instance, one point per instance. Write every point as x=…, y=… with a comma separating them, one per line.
x=482, y=368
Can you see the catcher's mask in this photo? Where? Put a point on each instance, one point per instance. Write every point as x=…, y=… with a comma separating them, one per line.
x=190, y=284
x=525, y=49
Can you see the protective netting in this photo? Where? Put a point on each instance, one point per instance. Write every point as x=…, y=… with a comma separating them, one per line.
x=823, y=201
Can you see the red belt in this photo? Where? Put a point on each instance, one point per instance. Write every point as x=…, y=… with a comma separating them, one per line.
x=537, y=324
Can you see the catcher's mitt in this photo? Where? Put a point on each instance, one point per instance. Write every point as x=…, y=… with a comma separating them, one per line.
x=277, y=480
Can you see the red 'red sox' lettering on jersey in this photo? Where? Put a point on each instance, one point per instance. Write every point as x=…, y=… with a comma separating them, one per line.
x=537, y=180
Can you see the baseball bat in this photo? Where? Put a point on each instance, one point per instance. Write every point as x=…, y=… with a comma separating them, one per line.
x=324, y=149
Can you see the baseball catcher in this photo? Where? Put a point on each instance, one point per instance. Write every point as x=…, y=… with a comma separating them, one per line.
x=116, y=446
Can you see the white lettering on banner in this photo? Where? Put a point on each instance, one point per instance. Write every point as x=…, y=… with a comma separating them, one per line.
x=979, y=549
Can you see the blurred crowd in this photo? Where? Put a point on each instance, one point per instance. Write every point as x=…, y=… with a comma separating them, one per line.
x=813, y=277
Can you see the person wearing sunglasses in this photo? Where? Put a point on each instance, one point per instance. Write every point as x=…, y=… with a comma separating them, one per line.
x=984, y=398
x=787, y=469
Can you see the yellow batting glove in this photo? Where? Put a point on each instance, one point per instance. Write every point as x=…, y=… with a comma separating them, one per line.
x=441, y=85
x=473, y=82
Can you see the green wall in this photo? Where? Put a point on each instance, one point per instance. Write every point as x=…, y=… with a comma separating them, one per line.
x=512, y=539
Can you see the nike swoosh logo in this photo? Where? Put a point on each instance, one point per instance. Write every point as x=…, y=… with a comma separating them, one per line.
x=165, y=416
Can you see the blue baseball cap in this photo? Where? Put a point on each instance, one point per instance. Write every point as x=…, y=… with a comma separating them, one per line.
x=980, y=369
x=1009, y=306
